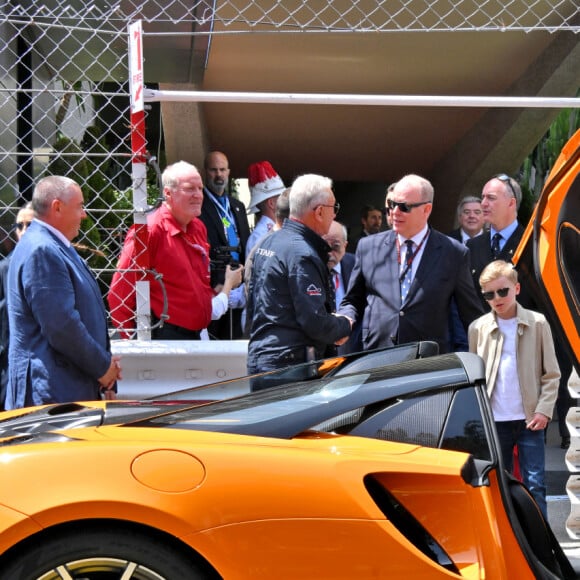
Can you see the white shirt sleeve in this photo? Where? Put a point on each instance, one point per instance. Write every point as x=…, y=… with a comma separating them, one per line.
x=219, y=305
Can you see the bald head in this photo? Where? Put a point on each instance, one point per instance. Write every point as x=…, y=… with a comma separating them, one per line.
x=217, y=172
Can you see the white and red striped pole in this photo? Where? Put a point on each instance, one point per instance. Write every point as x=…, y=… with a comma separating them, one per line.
x=139, y=176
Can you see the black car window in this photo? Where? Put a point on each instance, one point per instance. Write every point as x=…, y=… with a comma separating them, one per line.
x=448, y=419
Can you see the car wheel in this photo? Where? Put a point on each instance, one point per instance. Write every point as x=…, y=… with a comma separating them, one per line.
x=102, y=555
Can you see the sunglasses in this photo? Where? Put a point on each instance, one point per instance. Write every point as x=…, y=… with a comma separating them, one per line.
x=502, y=293
x=403, y=206
x=21, y=225
x=508, y=180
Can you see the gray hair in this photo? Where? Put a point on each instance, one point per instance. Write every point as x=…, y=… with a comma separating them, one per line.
x=50, y=188
x=283, y=205
x=422, y=184
x=306, y=192
x=172, y=174
x=465, y=200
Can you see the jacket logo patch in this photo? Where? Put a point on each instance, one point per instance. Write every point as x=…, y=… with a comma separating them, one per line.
x=312, y=290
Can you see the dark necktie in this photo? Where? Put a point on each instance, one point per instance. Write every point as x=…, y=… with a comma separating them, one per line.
x=406, y=282
x=333, y=287
x=495, y=246
x=336, y=279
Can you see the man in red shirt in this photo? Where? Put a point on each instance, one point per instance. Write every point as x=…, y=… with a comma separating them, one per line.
x=179, y=251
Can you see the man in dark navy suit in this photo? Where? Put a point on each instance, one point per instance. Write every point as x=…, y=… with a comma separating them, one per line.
x=469, y=218
x=471, y=224
x=340, y=264
x=404, y=279
x=500, y=199
x=227, y=225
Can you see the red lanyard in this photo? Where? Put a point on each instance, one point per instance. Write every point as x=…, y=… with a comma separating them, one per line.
x=409, y=259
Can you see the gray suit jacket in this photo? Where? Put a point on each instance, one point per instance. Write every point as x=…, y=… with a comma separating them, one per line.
x=59, y=344
x=374, y=291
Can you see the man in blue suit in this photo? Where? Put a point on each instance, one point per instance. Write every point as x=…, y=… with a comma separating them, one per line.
x=59, y=346
x=404, y=279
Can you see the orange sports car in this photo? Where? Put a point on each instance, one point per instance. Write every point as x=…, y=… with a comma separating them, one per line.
x=379, y=465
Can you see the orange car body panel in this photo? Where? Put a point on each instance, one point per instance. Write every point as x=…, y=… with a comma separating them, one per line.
x=294, y=508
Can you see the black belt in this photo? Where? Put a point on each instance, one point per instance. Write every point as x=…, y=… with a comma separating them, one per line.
x=186, y=333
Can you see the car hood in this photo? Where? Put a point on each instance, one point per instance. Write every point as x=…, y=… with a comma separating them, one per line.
x=32, y=422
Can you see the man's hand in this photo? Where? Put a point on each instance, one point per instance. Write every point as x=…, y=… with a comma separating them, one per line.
x=112, y=375
x=233, y=278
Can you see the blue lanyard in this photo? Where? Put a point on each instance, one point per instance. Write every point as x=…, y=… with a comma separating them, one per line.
x=225, y=212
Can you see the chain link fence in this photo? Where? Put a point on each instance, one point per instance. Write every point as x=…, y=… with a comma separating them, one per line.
x=64, y=91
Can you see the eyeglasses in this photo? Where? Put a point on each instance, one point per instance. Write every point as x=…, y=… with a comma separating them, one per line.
x=508, y=180
x=335, y=207
x=502, y=293
x=403, y=206
x=21, y=225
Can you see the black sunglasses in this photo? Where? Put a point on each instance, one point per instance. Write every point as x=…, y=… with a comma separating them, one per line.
x=502, y=293
x=403, y=206
x=506, y=179
x=21, y=225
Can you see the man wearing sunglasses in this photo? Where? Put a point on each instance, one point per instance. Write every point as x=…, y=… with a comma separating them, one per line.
x=23, y=219
x=404, y=279
x=500, y=199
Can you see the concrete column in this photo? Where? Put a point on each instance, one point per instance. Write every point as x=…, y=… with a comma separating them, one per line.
x=184, y=128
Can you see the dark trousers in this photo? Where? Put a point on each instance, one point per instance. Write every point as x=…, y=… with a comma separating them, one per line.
x=169, y=331
x=228, y=327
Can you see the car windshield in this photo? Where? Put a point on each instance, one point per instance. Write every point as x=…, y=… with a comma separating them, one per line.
x=323, y=404
x=265, y=405
x=305, y=372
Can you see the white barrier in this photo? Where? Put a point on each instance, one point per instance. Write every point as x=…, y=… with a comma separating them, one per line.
x=156, y=367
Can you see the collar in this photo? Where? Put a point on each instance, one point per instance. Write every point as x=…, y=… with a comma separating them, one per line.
x=317, y=242
x=522, y=317
x=506, y=233
x=172, y=226
x=417, y=238
x=465, y=237
x=54, y=231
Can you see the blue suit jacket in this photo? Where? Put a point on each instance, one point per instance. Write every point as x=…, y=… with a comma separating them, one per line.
x=374, y=291
x=59, y=344
x=354, y=342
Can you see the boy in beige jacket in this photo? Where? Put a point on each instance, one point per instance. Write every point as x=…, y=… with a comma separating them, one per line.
x=521, y=371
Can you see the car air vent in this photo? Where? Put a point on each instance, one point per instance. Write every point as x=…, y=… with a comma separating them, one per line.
x=408, y=525
x=50, y=419
x=44, y=438
x=65, y=408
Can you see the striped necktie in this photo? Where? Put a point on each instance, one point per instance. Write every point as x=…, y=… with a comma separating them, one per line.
x=407, y=263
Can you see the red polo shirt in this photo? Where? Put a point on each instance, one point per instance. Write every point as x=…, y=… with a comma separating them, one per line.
x=183, y=260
